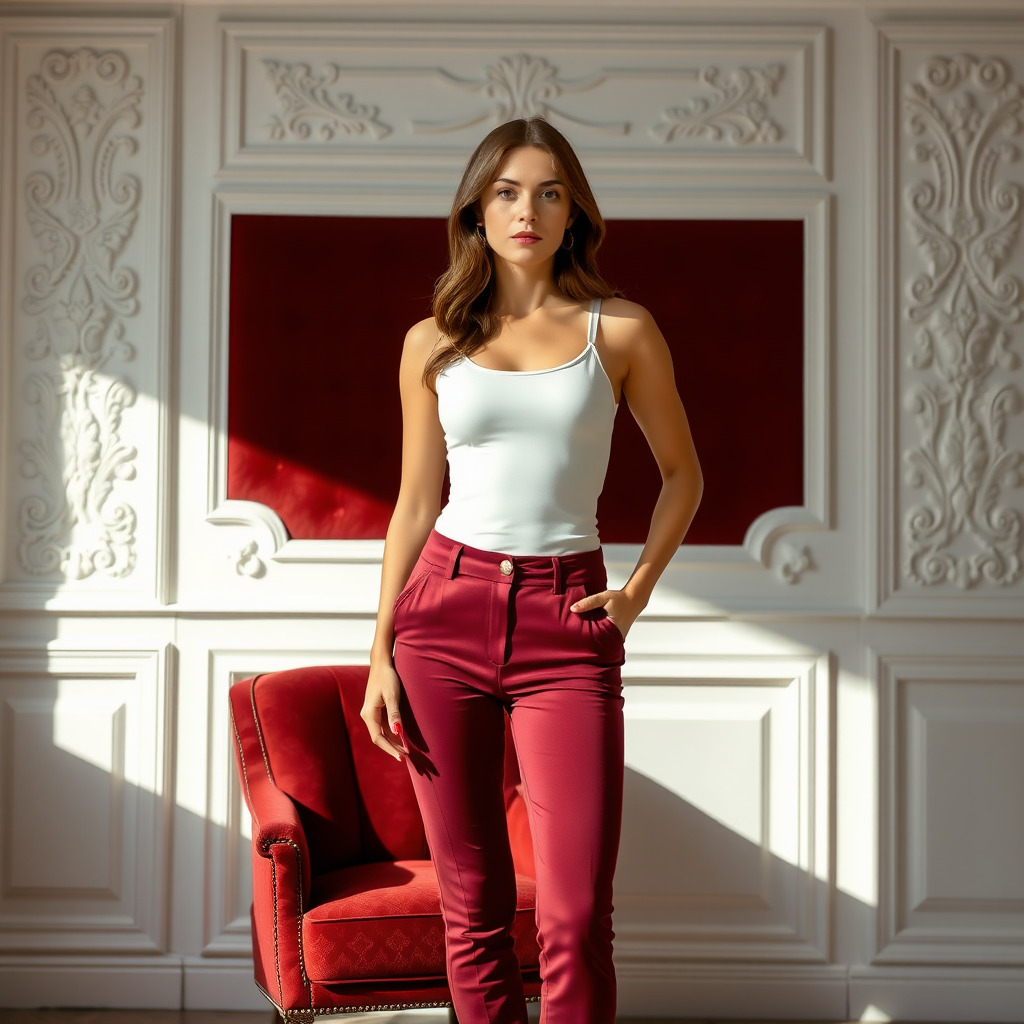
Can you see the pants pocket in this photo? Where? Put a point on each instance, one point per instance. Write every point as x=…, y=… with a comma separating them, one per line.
x=596, y=621
x=410, y=588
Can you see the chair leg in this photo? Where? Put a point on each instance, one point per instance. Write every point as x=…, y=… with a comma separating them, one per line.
x=452, y=1019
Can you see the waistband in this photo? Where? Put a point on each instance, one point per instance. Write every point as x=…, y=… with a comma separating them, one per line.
x=454, y=558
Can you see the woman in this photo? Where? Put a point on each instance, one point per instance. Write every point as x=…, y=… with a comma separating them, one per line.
x=499, y=604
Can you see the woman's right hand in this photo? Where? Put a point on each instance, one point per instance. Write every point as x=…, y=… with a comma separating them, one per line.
x=380, y=709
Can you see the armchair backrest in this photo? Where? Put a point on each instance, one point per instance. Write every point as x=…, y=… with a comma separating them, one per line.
x=356, y=804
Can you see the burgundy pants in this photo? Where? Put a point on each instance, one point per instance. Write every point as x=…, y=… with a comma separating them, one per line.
x=479, y=633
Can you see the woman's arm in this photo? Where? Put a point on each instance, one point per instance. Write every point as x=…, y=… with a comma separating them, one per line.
x=635, y=342
x=417, y=508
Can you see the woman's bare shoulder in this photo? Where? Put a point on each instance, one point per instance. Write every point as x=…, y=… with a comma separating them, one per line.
x=626, y=323
x=422, y=340
x=423, y=334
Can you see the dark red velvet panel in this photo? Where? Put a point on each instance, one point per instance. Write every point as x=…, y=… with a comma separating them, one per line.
x=314, y=418
x=728, y=296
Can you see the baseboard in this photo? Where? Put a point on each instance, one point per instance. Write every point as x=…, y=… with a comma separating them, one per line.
x=733, y=991
x=221, y=984
x=978, y=994
x=714, y=990
x=139, y=982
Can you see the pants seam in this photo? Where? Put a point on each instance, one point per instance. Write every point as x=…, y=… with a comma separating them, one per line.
x=458, y=869
x=542, y=960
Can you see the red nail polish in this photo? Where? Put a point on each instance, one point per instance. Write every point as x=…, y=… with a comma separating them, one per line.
x=397, y=728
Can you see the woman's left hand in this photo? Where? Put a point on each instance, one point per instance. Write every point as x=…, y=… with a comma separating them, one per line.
x=618, y=606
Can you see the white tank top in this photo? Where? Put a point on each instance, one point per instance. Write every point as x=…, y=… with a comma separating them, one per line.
x=527, y=452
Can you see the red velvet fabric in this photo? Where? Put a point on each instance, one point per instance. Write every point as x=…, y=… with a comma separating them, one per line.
x=301, y=719
x=376, y=921
x=314, y=419
x=728, y=297
x=320, y=792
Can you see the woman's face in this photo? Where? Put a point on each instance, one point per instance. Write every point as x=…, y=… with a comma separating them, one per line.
x=527, y=208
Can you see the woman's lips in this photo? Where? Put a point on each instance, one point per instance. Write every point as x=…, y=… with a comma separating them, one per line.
x=526, y=239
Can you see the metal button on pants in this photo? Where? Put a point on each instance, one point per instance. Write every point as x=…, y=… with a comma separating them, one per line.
x=479, y=634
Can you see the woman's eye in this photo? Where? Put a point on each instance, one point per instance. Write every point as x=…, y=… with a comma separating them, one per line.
x=550, y=194
x=506, y=193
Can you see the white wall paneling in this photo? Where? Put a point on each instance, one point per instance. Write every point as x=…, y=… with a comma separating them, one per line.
x=728, y=773
x=86, y=800
x=84, y=289
x=949, y=299
x=649, y=101
x=952, y=741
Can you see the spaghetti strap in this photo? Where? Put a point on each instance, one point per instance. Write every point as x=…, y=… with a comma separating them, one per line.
x=595, y=318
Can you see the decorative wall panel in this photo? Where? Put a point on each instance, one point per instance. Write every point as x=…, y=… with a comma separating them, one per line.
x=725, y=847
x=83, y=777
x=409, y=100
x=952, y=735
x=84, y=293
x=328, y=461
x=264, y=540
x=952, y=300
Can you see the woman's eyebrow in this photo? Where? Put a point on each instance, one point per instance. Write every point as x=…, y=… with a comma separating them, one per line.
x=512, y=181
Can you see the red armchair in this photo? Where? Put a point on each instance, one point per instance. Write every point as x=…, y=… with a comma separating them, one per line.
x=346, y=915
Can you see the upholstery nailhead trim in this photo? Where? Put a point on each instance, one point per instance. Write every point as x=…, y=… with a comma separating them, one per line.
x=307, y=1016
x=259, y=730
x=298, y=863
x=241, y=761
x=277, y=952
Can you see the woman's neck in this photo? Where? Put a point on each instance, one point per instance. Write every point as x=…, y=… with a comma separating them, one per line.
x=519, y=292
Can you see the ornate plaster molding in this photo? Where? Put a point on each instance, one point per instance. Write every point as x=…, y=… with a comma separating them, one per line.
x=520, y=86
x=308, y=100
x=736, y=111
x=964, y=223
x=247, y=561
x=756, y=109
x=84, y=104
x=795, y=561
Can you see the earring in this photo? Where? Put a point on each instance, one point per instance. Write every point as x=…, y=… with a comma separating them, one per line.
x=481, y=234
x=572, y=240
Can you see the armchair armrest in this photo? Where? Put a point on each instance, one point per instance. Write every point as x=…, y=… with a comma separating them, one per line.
x=275, y=818
x=279, y=877
x=281, y=865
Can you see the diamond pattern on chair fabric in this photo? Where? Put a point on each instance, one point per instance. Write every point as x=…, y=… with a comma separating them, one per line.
x=383, y=920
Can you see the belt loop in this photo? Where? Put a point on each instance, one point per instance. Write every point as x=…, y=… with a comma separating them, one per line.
x=453, y=558
x=556, y=572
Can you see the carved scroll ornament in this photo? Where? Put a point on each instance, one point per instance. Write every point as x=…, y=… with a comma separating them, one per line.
x=735, y=110
x=81, y=215
x=308, y=103
x=965, y=225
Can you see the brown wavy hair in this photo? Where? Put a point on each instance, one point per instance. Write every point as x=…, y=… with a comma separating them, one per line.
x=463, y=293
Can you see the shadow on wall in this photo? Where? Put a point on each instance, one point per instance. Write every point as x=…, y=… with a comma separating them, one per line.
x=689, y=890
